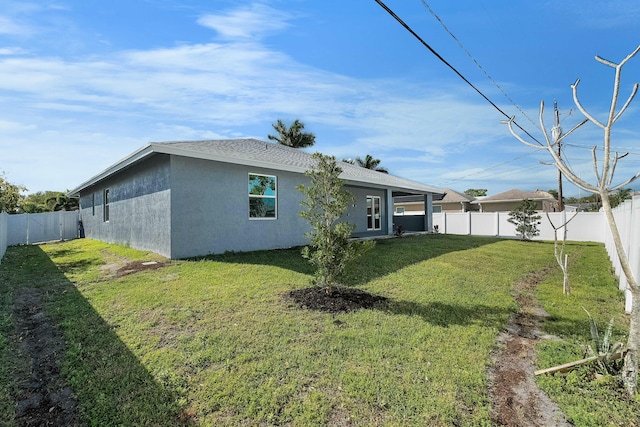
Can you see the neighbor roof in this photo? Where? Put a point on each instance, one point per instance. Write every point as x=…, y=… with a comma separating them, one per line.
x=516, y=195
x=447, y=196
x=256, y=153
x=452, y=196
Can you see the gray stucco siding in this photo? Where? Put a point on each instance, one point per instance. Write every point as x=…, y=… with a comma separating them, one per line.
x=139, y=207
x=358, y=214
x=211, y=209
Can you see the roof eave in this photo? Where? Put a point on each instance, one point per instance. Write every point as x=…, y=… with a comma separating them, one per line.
x=153, y=147
x=138, y=155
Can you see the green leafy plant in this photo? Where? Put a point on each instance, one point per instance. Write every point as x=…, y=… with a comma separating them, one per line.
x=331, y=248
x=525, y=218
x=610, y=361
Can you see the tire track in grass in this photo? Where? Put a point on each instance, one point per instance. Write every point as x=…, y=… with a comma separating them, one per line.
x=516, y=398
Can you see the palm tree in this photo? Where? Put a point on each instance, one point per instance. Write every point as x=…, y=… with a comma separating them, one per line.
x=617, y=198
x=292, y=136
x=370, y=163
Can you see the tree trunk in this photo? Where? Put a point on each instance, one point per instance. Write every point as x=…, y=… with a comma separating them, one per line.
x=630, y=371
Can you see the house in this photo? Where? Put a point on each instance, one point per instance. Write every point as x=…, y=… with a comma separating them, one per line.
x=192, y=198
x=451, y=202
x=508, y=200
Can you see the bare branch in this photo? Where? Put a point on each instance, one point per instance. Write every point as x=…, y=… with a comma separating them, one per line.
x=631, y=55
x=544, y=129
x=574, y=88
x=564, y=224
x=509, y=123
x=606, y=62
x=613, y=167
x=595, y=165
x=626, y=104
x=627, y=182
x=573, y=129
x=615, y=164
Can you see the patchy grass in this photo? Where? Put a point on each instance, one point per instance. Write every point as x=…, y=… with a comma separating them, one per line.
x=212, y=342
x=586, y=399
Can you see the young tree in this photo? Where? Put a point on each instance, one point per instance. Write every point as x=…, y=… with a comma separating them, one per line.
x=525, y=218
x=326, y=201
x=292, y=136
x=558, y=250
x=604, y=174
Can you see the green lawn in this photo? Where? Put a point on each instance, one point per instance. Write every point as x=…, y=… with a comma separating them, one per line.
x=212, y=341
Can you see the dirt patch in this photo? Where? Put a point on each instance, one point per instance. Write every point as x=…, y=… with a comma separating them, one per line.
x=516, y=398
x=335, y=300
x=43, y=398
x=119, y=269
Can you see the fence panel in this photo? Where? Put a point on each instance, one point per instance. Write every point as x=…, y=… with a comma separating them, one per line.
x=42, y=227
x=484, y=224
x=3, y=234
x=585, y=227
x=627, y=217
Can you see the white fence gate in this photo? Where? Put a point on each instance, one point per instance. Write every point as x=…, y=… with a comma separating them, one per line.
x=26, y=229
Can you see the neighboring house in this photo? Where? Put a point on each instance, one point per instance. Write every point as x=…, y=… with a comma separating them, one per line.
x=451, y=202
x=184, y=199
x=508, y=200
x=582, y=207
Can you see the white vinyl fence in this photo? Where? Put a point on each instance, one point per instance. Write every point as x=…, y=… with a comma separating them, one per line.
x=26, y=229
x=3, y=233
x=585, y=227
x=627, y=217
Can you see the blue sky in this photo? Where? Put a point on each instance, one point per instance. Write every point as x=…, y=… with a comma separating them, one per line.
x=86, y=83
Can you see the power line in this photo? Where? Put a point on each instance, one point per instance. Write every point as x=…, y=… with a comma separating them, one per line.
x=445, y=62
x=477, y=63
x=497, y=174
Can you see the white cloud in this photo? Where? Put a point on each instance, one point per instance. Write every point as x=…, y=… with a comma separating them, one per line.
x=13, y=51
x=9, y=26
x=249, y=22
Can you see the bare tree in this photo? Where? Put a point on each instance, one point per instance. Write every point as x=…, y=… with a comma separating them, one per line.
x=604, y=173
x=558, y=250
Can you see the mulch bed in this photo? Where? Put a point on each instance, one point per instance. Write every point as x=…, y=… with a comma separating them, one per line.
x=334, y=300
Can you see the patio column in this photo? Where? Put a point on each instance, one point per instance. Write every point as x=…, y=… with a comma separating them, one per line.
x=428, y=212
x=389, y=211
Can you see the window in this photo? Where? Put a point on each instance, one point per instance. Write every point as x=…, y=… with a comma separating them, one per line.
x=373, y=213
x=262, y=197
x=400, y=210
x=93, y=204
x=437, y=209
x=106, y=205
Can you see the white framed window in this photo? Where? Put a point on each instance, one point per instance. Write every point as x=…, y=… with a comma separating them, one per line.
x=263, y=196
x=400, y=210
x=105, y=211
x=437, y=209
x=374, y=219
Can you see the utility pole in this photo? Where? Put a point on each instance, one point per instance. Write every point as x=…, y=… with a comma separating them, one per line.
x=556, y=133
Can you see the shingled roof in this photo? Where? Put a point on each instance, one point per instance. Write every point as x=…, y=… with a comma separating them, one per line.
x=516, y=195
x=452, y=196
x=256, y=153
